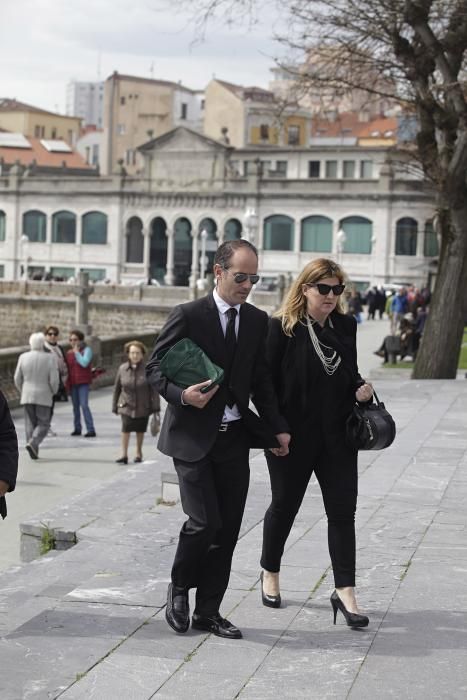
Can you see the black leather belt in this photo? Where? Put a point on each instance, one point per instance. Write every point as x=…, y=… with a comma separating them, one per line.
x=224, y=427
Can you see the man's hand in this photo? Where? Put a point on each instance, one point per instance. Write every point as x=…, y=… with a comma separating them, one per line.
x=4, y=487
x=193, y=395
x=283, y=439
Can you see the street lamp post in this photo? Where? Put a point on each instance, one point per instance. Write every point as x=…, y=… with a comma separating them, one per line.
x=250, y=224
x=341, y=238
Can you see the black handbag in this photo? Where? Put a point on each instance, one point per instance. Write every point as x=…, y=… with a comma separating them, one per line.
x=370, y=427
x=61, y=394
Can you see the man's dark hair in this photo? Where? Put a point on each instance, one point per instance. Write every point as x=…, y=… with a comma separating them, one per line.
x=228, y=248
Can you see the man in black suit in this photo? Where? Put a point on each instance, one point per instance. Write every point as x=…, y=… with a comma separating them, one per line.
x=8, y=454
x=209, y=435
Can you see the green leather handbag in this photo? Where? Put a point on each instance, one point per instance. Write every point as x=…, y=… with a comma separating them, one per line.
x=186, y=364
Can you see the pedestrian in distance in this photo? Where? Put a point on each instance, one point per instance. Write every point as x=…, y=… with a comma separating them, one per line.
x=8, y=454
x=134, y=399
x=311, y=349
x=51, y=345
x=36, y=378
x=79, y=359
x=399, y=307
x=209, y=434
x=354, y=305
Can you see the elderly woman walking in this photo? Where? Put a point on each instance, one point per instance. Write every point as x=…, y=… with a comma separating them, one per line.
x=37, y=378
x=134, y=399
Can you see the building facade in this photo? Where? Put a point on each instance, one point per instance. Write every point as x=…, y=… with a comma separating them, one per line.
x=349, y=203
x=22, y=118
x=137, y=109
x=86, y=100
x=244, y=116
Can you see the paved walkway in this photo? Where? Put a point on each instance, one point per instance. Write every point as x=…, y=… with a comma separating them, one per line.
x=89, y=622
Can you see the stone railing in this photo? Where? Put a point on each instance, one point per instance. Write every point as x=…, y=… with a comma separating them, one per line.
x=112, y=309
x=110, y=356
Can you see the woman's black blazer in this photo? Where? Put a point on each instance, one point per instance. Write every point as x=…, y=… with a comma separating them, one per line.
x=310, y=400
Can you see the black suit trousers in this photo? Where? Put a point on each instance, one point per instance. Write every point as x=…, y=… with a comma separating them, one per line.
x=335, y=467
x=213, y=492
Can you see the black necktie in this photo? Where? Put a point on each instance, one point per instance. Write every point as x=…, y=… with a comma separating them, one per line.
x=230, y=345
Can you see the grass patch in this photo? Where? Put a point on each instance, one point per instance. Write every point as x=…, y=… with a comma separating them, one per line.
x=398, y=365
x=463, y=352
x=47, y=540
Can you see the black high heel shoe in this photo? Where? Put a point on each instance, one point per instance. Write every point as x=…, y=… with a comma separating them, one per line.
x=270, y=601
x=122, y=460
x=352, y=619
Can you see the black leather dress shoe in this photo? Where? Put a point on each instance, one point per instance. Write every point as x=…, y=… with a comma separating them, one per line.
x=216, y=625
x=177, y=612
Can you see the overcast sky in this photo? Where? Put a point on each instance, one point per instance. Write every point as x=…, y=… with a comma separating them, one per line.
x=46, y=43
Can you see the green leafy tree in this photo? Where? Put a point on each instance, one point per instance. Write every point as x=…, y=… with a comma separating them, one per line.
x=412, y=52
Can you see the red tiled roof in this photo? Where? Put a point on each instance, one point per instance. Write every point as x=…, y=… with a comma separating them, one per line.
x=138, y=79
x=43, y=157
x=350, y=124
x=243, y=92
x=10, y=105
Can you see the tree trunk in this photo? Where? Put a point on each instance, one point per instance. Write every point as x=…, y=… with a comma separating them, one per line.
x=438, y=355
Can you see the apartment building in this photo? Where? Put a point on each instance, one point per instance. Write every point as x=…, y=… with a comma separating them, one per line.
x=26, y=119
x=244, y=116
x=86, y=100
x=137, y=109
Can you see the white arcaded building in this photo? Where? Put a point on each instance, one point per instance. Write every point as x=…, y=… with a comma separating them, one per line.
x=342, y=200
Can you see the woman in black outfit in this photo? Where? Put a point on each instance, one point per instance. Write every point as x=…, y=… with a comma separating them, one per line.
x=313, y=358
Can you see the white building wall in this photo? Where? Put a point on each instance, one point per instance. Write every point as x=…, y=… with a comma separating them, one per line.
x=194, y=109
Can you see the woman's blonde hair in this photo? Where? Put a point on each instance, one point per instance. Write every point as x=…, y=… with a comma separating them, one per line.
x=293, y=308
x=138, y=344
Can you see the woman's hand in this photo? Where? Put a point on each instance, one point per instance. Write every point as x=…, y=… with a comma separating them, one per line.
x=364, y=392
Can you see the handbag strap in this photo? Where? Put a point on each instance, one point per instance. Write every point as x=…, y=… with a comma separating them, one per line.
x=352, y=373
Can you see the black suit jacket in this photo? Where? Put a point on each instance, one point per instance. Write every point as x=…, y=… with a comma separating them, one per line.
x=314, y=404
x=8, y=451
x=189, y=433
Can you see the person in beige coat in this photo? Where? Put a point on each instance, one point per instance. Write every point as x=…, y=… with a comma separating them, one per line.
x=134, y=399
x=37, y=379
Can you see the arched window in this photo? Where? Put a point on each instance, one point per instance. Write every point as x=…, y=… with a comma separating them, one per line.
x=2, y=225
x=430, y=241
x=182, y=251
x=232, y=230
x=406, y=236
x=64, y=227
x=95, y=228
x=35, y=225
x=278, y=233
x=316, y=235
x=210, y=226
x=134, y=240
x=358, y=231
x=158, y=249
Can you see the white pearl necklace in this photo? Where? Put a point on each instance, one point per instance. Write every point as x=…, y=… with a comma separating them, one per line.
x=330, y=364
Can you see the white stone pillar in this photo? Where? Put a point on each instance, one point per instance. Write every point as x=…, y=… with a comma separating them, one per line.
x=146, y=253
x=297, y=235
x=194, y=273
x=169, y=275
